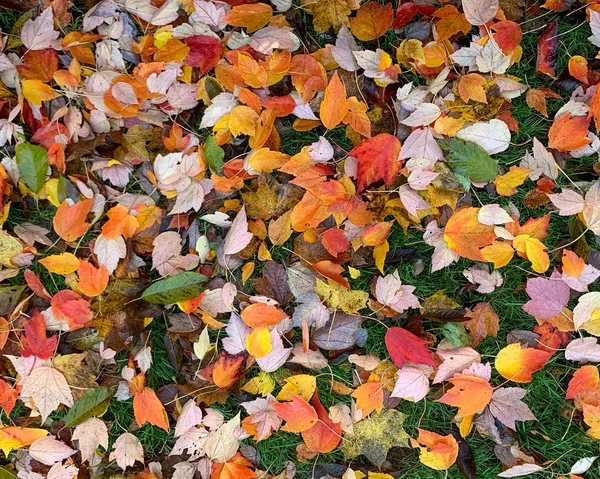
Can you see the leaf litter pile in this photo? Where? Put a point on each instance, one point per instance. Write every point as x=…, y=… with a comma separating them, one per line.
x=299, y=239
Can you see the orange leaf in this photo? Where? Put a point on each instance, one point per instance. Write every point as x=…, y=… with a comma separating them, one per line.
x=375, y=235
x=325, y=435
x=148, y=408
x=378, y=159
x=8, y=397
x=334, y=106
x=471, y=86
x=225, y=371
x=173, y=51
x=465, y=235
x=17, y=437
x=369, y=397
x=4, y=332
x=120, y=223
x=334, y=241
x=437, y=452
x=92, y=281
x=262, y=314
x=69, y=221
x=238, y=467
x=584, y=379
x=569, y=133
x=372, y=21
x=252, y=16
x=71, y=307
x=450, y=22
x=298, y=414
x=332, y=271
x=518, y=364
x=572, y=265
x=470, y=394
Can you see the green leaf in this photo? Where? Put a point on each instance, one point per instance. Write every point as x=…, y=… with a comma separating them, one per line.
x=214, y=155
x=175, y=288
x=32, y=161
x=469, y=160
x=93, y=404
x=7, y=474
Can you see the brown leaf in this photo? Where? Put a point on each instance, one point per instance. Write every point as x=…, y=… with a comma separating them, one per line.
x=484, y=322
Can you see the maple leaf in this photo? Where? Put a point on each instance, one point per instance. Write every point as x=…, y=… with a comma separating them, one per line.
x=325, y=435
x=518, y=364
x=404, y=346
x=378, y=159
x=330, y=13
x=437, y=452
x=34, y=341
x=569, y=133
x=469, y=393
x=450, y=22
x=298, y=414
x=69, y=220
x=465, y=235
x=484, y=322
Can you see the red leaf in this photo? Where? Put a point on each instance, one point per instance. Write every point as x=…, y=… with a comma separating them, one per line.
x=405, y=346
x=8, y=397
x=36, y=285
x=205, y=52
x=71, y=307
x=332, y=271
x=378, y=159
x=325, y=435
x=334, y=241
x=34, y=341
x=547, y=54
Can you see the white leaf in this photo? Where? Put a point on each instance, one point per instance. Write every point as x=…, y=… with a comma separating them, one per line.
x=58, y=471
x=494, y=214
x=238, y=236
x=479, y=12
x=591, y=208
x=278, y=355
x=184, y=470
x=91, y=434
x=521, y=470
x=268, y=39
x=412, y=382
x=581, y=466
x=345, y=44
x=568, y=202
x=491, y=59
x=321, y=151
x=454, y=361
x=421, y=144
x=425, y=114
x=221, y=105
x=583, y=350
x=210, y=13
x=126, y=450
x=235, y=342
x=48, y=388
x=202, y=345
x=479, y=274
x=390, y=291
x=144, y=358
x=190, y=417
x=221, y=445
x=542, y=162
x=38, y=34
x=586, y=307
x=48, y=450
x=419, y=179
x=492, y=136
x=595, y=26
x=110, y=251
x=411, y=200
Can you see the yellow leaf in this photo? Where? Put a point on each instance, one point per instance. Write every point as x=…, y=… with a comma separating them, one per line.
x=9, y=247
x=507, y=183
x=338, y=297
x=535, y=251
x=258, y=342
x=242, y=121
x=302, y=385
x=379, y=254
x=499, y=252
x=247, y=271
x=18, y=437
x=330, y=13
x=35, y=92
x=266, y=160
x=263, y=384
x=64, y=263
